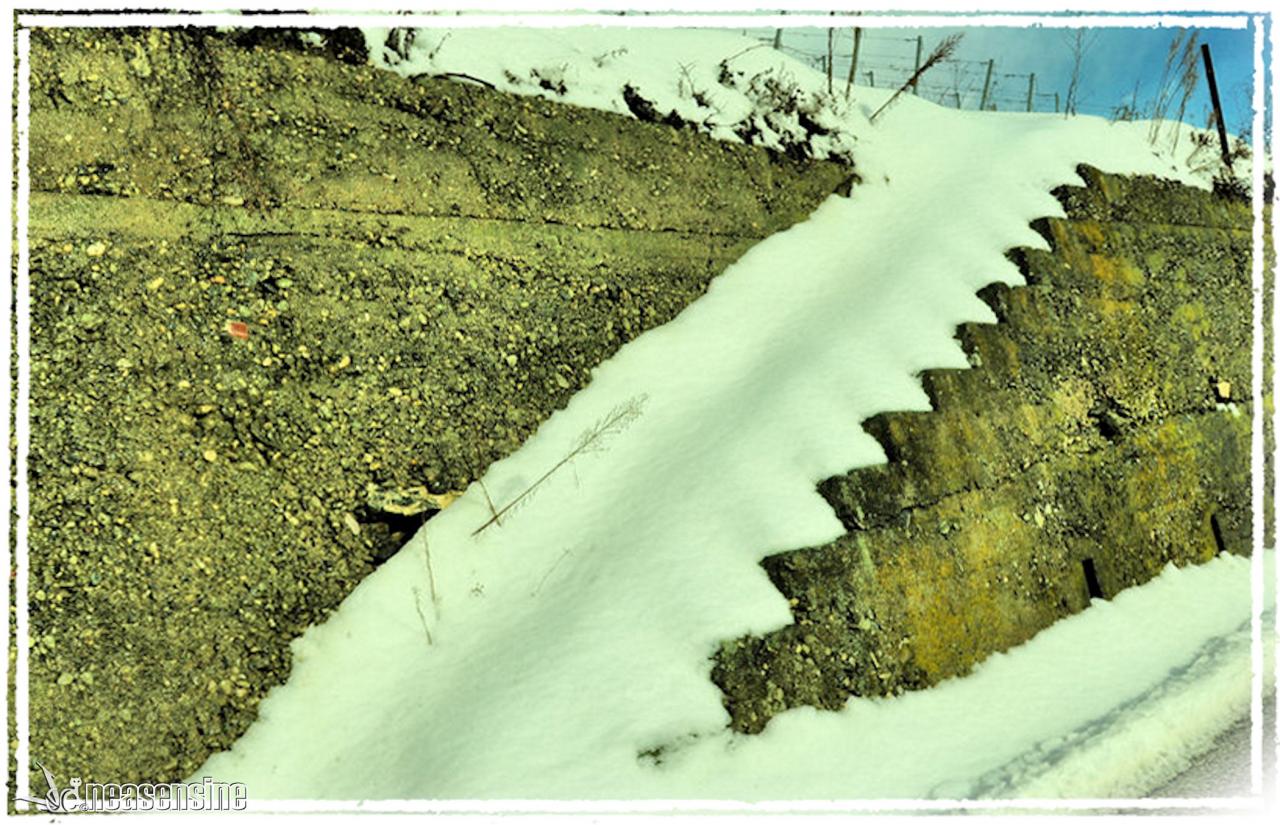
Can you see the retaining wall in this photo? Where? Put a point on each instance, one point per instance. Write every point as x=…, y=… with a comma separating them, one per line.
x=1102, y=433
x=263, y=280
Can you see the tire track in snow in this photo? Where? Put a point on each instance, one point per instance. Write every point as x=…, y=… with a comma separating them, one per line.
x=1219, y=671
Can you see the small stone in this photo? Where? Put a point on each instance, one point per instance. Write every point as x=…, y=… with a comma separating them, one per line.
x=351, y=523
x=96, y=249
x=210, y=455
x=1223, y=389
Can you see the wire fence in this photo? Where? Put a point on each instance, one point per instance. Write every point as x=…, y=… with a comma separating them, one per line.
x=888, y=62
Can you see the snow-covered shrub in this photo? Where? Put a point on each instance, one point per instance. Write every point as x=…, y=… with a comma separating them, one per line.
x=797, y=122
x=550, y=77
x=735, y=90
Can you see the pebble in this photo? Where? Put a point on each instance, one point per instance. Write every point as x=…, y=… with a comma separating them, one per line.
x=96, y=249
x=210, y=455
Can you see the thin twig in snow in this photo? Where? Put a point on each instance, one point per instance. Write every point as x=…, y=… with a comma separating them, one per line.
x=744, y=51
x=492, y=510
x=417, y=605
x=431, y=576
x=593, y=440
x=547, y=574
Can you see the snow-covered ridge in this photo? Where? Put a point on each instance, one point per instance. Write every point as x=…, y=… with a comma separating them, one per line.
x=721, y=83
x=725, y=85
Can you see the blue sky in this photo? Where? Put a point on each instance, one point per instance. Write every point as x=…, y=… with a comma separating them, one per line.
x=1118, y=58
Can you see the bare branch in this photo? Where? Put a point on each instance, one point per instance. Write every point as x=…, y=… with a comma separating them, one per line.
x=940, y=52
x=592, y=440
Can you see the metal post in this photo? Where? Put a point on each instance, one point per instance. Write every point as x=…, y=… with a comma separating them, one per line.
x=1031, y=91
x=853, y=67
x=1217, y=104
x=831, y=34
x=915, y=87
x=986, y=86
x=1055, y=103
x=871, y=78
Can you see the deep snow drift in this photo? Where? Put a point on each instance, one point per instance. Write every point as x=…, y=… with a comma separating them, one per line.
x=546, y=655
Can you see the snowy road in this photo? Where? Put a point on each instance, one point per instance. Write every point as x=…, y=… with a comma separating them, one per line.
x=1222, y=771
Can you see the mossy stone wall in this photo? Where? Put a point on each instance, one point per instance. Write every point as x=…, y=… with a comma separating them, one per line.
x=1105, y=424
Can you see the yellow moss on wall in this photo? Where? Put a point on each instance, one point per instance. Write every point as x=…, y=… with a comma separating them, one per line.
x=1089, y=435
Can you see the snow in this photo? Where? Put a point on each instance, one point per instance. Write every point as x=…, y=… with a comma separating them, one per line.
x=1106, y=703
x=679, y=70
x=1224, y=770
x=720, y=82
x=541, y=656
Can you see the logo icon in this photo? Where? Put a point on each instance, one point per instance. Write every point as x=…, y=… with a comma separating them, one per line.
x=56, y=801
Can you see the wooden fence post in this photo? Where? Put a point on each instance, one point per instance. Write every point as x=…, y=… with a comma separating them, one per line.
x=986, y=86
x=915, y=86
x=831, y=68
x=853, y=67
